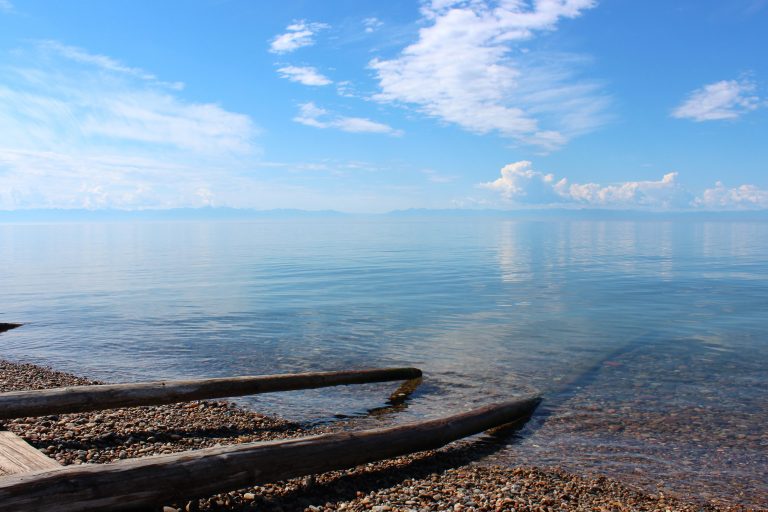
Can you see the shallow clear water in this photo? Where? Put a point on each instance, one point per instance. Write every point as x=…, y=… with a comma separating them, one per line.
x=650, y=339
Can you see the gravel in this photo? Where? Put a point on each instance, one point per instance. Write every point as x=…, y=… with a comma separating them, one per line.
x=448, y=479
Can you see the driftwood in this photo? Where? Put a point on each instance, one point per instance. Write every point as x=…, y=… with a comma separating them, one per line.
x=7, y=327
x=164, y=478
x=19, y=404
x=16, y=456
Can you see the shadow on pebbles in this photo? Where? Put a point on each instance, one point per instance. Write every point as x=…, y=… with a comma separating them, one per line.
x=447, y=479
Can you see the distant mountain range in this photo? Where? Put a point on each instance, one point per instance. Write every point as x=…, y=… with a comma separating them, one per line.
x=587, y=214
x=209, y=213
x=172, y=214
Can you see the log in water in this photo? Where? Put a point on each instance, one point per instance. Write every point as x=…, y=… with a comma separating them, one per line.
x=7, y=327
x=18, y=404
x=164, y=478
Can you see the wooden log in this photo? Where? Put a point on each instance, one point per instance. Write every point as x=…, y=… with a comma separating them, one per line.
x=17, y=456
x=398, y=400
x=404, y=392
x=162, y=479
x=7, y=327
x=17, y=404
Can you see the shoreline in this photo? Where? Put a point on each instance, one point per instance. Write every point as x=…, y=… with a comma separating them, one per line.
x=436, y=480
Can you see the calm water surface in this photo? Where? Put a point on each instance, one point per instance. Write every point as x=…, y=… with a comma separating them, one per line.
x=649, y=339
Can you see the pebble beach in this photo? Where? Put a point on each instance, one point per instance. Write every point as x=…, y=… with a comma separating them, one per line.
x=452, y=478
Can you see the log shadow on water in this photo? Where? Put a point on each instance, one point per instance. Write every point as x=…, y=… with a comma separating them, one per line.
x=579, y=380
x=375, y=477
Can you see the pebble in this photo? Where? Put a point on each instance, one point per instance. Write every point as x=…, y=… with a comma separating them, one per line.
x=442, y=480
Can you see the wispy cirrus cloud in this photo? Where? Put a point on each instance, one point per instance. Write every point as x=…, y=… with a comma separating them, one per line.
x=109, y=64
x=521, y=184
x=306, y=75
x=726, y=99
x=83, y=130
x=6, y=5
x=467, y=68
x=312, y=115
x=437, y=177
x=372, y=24
x=297, y=35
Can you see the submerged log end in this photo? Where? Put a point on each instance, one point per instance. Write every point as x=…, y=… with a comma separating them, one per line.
x=7, y=327
x=17, y=404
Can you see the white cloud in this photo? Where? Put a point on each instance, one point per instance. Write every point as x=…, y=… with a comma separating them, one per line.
x=80, y=131
x=102, y=61
x=346, y=89
x=727, y=99
x=664, y=193
x=372, y=24
x=520, y=183
x=6, y=5
x=297, y=35
x=312, y=115
x=436, y=177
x=738, y=198
x=465, y=69
x=306, y=75
x=162, y=119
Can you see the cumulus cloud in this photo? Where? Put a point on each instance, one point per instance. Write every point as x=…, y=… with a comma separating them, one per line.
x=297, y=35
x=727, y=99
x=83, y=130
x=306, y=75
x=312, y=115
x=519, y=182
x=467, y=68
x=742, y=197
x=664, y=193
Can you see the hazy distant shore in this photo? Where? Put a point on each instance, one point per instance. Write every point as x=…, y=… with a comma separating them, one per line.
x=249, y=214
x=427, y=481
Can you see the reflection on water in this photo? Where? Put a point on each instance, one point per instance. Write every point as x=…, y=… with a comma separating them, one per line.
x=666, y=319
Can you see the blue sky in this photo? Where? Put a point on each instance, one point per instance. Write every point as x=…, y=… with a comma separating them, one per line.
x=374, y=106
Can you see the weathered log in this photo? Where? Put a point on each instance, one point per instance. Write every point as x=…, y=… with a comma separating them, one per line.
x=7, y=327
x=164, y=478
x=18, y=404
x=17, y=456
x=398, y=401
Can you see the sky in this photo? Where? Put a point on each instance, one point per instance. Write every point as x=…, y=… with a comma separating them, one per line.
x=376, y=106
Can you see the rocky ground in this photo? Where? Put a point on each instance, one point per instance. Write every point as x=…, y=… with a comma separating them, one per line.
x=447, y=479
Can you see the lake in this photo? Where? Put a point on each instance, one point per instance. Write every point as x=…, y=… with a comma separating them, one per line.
x=648, y=339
